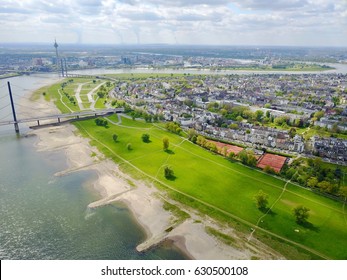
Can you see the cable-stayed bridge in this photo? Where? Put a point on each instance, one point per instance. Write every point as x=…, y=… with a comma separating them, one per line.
x=66, y=116
x=36, y=117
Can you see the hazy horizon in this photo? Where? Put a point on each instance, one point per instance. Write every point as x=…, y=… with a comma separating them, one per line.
x=289, y=23
x=60, y=45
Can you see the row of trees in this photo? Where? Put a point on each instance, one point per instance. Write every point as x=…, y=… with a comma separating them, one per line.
x=240, y=113
x=101, y=122
x=138, y=113
x=246, y=157
x=317, y=175
x=71, y=98
x=103, y=90
x=173, y=127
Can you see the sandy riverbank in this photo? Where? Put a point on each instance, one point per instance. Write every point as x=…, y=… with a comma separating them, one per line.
x=146, y=202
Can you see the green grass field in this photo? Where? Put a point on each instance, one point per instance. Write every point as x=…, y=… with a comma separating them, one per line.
x=219, y=186
x=225, y=185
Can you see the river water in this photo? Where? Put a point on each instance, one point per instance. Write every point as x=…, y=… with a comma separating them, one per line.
x=46, y=217
x=338, y=68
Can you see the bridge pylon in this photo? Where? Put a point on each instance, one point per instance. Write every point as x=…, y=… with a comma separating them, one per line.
x=16, y=127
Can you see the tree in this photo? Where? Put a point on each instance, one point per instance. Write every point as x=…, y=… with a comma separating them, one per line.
x=259, y=115
x=148, y=118
x=173, y=127
x=239, y=118
x=232, y=155
x=115, y=137
x=166, y=143
x=301, y=214
x=343, y=192
x=261, y=199
x=168, y=172
x=326, y=186
x=129, y=147
x=292, y=132
x=211, y=146
x=101, y=122
x=312, y=182
x=247, y=157
x=101, y=94
x=268, y=169
x=192, y=135
x=200, y=140
x=145, y=137
x=224, y=151
x=252, y=160
x=234, y=126
x=318, y=115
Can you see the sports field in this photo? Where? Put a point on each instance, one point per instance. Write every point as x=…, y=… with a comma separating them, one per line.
x=274, y=161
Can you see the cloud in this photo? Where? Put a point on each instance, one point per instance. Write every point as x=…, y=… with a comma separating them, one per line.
x=295, y=22
x=139, y=15
x=178, y=3
x=13, y=10
x=271, y=5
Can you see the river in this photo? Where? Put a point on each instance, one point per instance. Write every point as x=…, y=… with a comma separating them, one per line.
x=338, y=68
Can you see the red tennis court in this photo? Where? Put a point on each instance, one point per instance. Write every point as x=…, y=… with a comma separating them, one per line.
x=274, y=161
x=230, y=148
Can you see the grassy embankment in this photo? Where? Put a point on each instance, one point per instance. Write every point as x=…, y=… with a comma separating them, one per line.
x=290, y=67
x=9, y=75
x=223, y=189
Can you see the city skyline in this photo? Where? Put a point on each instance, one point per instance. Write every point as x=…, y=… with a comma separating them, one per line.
x=195, y=22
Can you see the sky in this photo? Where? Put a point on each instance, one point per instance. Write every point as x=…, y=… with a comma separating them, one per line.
x=197, y=22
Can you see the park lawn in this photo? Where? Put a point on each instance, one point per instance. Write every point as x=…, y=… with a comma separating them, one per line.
x=85, y=91
x=228, y=185
x=67, y=102
x=217, y=186
x=70, y=89
x=87, y=105
x=99, y=104
x=48, y=90
x=84, y=98
x=326, y=231
x=235, y=194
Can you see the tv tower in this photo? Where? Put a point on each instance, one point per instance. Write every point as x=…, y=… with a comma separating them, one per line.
x=56, y=51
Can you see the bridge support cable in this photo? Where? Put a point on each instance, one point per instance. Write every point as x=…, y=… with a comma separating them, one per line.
x=2, y=108
x=5, y=117
x=2, y=97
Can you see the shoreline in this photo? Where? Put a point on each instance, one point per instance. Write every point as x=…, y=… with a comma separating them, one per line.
x=145, y=201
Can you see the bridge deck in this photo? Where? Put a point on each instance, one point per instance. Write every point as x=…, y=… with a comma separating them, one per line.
x=67, y=115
